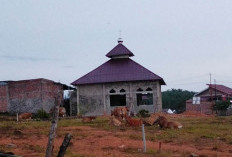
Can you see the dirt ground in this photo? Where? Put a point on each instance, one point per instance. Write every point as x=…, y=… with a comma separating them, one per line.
x=91, y=141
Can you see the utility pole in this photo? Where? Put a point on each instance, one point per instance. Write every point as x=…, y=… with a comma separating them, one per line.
x=211, y=97
x=215, y=90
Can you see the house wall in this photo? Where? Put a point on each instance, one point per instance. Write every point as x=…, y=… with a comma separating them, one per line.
x=95, y=99
x=50, y=90
x=73, y=103
x=29, y=95
x=3, y=97
x=24, y=96
x=90, y=99
x=204, y=107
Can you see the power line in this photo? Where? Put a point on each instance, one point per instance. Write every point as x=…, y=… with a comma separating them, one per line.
x=190, y=78
x=189, y=83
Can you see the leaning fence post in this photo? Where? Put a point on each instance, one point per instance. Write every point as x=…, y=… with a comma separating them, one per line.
x=17, y=117
x=52, y=133
x=144, y=139
x=64, y=145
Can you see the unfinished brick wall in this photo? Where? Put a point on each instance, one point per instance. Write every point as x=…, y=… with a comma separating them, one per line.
x=25, y=96
x=3, y=97
x=50, y=90
x=31, y=95
x=205, y=107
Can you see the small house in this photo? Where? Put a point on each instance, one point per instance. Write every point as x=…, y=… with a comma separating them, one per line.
x=203, y=101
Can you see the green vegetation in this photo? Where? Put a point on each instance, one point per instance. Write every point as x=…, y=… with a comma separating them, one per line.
x=221, y=105
x=143, y=113
x=41, y=114
x=175, y=99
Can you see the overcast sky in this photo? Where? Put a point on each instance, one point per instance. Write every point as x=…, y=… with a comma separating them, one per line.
x=179, y=40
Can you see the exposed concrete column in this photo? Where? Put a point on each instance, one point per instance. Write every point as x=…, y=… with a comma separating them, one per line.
x=131, y=100
x=78, y=101
x=104, y=98
x=159, y=98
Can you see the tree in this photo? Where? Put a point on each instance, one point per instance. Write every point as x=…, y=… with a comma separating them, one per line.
x=175, y=99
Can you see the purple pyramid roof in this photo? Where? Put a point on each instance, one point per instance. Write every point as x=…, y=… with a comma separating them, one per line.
x=119, y=50
x=118, y=70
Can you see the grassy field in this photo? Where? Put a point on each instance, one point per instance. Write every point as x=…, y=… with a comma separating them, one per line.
x=205, y=136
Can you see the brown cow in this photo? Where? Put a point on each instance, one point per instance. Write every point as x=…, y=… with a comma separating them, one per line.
x=120, y=113
x=164, y=123
x=88, y=119
x=25, y=116
x=133, y=122
x=115, y=121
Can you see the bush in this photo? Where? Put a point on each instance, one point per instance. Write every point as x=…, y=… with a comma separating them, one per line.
x=143, y=113
x=221, y=105
x=41, y=114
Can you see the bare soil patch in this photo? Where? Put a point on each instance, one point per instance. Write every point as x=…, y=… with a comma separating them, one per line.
x=29, y=139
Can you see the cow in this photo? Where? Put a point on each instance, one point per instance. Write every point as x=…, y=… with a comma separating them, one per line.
x=164, y=123
x=25, y=116
x=115, y=121
x=133, y=122
x=88, y=119
x=120, y=113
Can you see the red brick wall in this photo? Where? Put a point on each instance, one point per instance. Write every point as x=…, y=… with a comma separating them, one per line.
x=25, y=89
x=32, y=95
x=3, y=98
x=205, y=107
x=50, y=90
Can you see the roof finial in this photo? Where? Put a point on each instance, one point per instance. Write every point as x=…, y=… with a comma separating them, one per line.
x=120, y=41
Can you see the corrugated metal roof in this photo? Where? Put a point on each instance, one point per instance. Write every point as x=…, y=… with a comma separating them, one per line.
x=119, y=50
x=118, y=70
x=221, y=88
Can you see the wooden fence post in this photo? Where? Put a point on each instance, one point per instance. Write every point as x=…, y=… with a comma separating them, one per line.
x=64, y=145
x=17, y=117
x=52, y=133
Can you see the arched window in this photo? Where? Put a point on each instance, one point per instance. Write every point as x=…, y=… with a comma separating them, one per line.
x=112, y=91
x=144, y=97
x=122, y=90
x=148, y=89
x=117, y=99
x=139, y=90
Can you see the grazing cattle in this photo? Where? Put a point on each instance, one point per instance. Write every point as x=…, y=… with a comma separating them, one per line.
x=164, y=123
x=115, y=121
x=120, y=112
x=25, y=116
x=62, y=111
x=88, y=119
x=133, y=122
x=149, y=121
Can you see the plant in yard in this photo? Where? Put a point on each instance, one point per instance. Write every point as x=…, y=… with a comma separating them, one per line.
x=221, y=105
x=143, y=113
x=42, y=114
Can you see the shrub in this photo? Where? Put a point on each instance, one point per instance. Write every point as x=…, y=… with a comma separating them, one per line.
x=221, y=105
x=143, y=113
x=42, y=114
